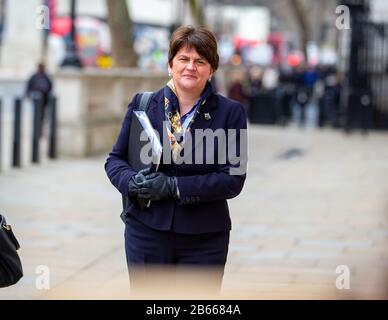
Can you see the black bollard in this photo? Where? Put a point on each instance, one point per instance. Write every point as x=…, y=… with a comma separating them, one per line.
x=36, y=133
x=52, y=152
x=17, y=133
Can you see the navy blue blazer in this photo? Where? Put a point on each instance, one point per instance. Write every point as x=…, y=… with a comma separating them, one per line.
x=204, y=188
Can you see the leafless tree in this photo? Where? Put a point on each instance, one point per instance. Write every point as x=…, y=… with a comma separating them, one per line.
x=121, y=29
x=310, y=17
x=196, y=9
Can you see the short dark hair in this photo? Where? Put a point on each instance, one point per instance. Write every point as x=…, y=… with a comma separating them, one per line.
x=199, y=38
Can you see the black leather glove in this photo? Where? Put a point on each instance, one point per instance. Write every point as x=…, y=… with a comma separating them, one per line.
x=158, y=186
x=136, y=181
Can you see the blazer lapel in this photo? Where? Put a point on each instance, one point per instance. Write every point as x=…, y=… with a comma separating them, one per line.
x=203, y=121
x=156, y=114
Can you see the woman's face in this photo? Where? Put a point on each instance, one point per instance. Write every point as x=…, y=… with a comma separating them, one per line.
x=189, y=70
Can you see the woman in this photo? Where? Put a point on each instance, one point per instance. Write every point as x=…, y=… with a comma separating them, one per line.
x=187, y=223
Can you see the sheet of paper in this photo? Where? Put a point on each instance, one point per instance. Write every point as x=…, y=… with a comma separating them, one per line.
x=153, y=138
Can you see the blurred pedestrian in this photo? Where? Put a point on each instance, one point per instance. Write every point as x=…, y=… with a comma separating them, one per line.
x=331, y=97
x=303, y=90
x=255, y=80
x=270, y=80
x=188, y=222
x=39, y=86
x=236, y=90
x=286, y=95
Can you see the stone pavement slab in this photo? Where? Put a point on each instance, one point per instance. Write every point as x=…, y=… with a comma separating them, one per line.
x=296, y=221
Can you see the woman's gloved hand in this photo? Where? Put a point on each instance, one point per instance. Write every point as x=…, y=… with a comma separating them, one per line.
x=136, y=181
x=158, y=186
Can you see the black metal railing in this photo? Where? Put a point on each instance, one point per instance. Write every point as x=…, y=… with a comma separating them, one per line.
x=366, y=101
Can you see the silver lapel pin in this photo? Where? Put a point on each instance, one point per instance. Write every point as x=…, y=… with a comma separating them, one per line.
x=207, y=116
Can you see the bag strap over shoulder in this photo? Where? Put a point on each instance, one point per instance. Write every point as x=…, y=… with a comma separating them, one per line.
x=145, y=101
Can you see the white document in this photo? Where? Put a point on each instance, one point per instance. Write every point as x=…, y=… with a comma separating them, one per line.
x=156, y=146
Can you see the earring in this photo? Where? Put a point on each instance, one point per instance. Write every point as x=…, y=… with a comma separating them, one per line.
x=210, y=79
x=169, y=73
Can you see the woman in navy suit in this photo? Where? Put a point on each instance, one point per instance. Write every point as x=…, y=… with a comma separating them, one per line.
x=188, y=222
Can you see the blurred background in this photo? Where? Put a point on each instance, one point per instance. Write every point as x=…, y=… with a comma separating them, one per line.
x=311, y=222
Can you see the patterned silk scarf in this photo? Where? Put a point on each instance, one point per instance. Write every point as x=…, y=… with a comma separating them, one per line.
x=178, y=126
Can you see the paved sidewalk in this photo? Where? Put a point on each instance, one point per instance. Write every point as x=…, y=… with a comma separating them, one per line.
x=313, y=201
